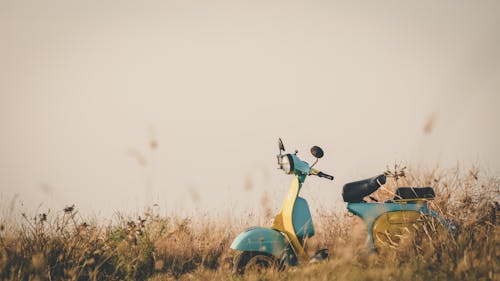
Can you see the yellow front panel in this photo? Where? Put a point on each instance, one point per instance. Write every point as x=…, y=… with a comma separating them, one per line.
x=283, y=220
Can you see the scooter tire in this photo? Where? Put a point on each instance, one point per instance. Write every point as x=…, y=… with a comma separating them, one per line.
x=254, y=261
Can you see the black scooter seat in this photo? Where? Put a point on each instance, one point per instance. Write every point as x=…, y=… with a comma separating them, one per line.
x=354, y=192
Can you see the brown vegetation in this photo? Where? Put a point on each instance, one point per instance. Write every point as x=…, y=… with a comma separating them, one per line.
x=66, y=247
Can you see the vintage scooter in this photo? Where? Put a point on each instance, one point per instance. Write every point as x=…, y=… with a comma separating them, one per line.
x=283, y=243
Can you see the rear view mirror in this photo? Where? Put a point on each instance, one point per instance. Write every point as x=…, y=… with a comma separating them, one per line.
x=280, y=145
x=317, y=152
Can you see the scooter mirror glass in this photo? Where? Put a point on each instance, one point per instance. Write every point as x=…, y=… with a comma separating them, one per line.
x=280, y=145
x=317, y=152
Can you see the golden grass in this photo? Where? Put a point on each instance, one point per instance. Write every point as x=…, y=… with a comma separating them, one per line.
x=150, y=247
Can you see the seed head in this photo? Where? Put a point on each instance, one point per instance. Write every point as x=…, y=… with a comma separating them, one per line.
x=69, y=209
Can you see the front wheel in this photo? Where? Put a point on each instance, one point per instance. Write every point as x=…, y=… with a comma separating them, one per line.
x=255, y=262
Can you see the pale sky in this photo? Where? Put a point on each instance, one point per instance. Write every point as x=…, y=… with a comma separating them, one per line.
x=85, y=86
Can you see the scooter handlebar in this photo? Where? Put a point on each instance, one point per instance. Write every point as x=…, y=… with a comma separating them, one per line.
x=326, y=176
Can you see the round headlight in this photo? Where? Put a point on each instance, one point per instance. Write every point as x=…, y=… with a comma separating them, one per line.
x=287, y=163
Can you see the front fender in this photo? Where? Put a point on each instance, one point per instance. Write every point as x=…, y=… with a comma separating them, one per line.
x=260, y=239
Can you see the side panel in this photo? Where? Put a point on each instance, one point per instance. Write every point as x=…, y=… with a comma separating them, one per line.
x=261, y=239
x=371, y=211
x=390, y=227
x=302, y=220
x=391, y=215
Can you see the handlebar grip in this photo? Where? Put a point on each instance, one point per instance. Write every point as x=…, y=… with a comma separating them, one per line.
x=326, y=176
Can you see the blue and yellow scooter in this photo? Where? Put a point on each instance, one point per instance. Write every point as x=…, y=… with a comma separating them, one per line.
x=283, y=243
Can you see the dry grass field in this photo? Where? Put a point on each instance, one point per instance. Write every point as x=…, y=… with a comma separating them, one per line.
x=67, y=246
